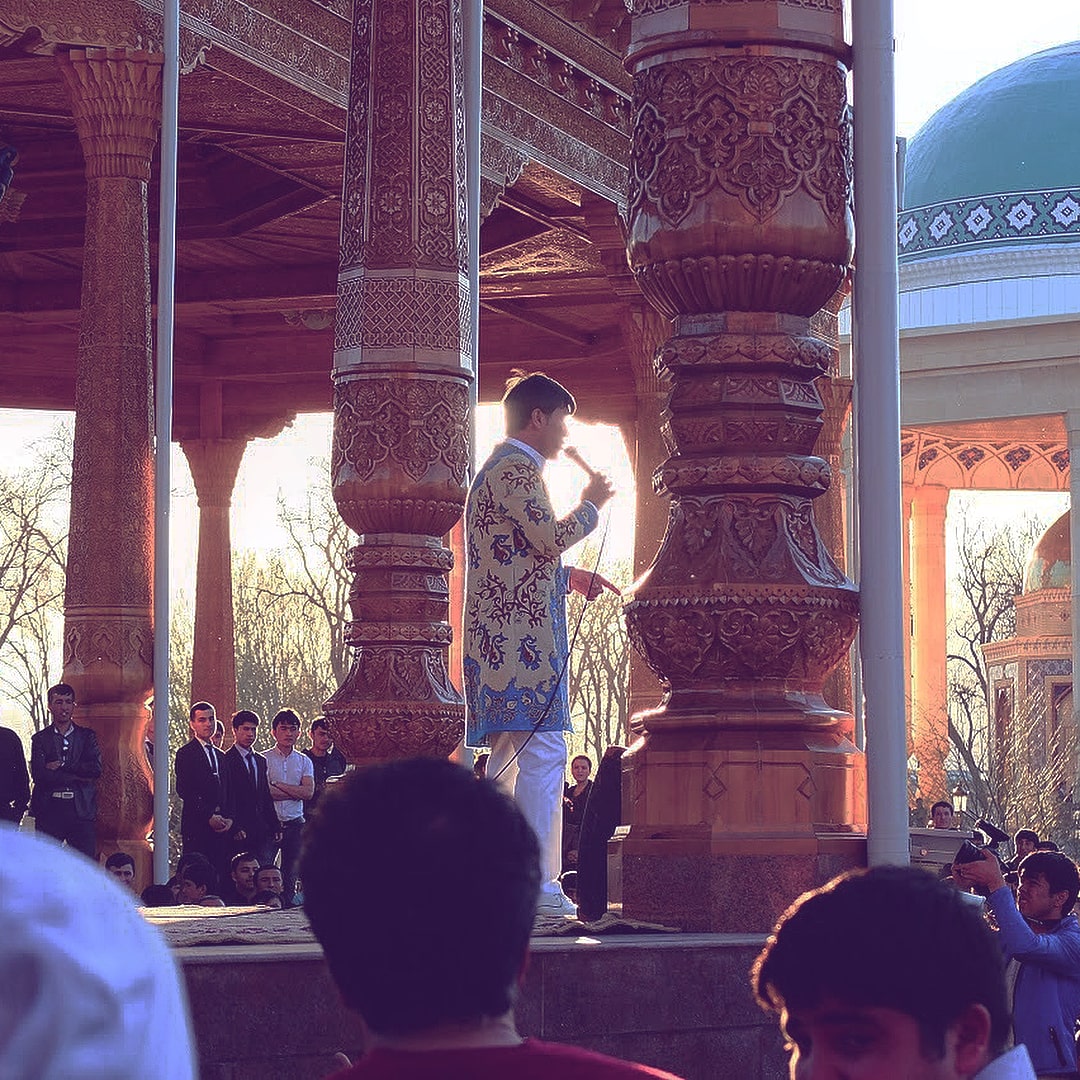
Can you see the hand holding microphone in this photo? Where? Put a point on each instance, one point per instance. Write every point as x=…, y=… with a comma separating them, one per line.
x=598, y=490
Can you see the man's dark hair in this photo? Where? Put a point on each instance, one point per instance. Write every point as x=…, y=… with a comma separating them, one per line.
x=244, y=716
x=1025, y=834
x=199, y=705
x=266, y=897
x=942, y=802
x=244, y=856
x=59, y=688
x=158, y=896
x=525, y=392
x=285, y=716
x=320, y=724
x=198, y=874
x=1060, y=873
x=1046, y=845
x=893, y=937
x=443, y=842
x=118, y=859
x=581, y=757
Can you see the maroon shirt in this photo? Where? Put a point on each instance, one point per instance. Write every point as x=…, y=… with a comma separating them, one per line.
x=531, y=1060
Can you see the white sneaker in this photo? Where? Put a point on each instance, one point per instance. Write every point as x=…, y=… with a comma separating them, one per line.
x=556, y=904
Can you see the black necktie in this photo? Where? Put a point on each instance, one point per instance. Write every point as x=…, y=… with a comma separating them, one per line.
x=213, y=760
x=251, y=769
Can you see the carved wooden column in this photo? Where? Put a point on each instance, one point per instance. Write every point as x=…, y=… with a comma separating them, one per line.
x=929, y=694
x=742, y=788
x=108, y=637
x=401, y=375
x=214, y=464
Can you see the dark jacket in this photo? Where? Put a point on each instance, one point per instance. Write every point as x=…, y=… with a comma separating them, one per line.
x=252, y=805
x=14, y=779
x=79, y=772
x=204, y=795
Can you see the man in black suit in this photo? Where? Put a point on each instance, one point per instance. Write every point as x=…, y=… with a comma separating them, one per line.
x=65, y=763
x=203, y=785
x=14, y=779
x=255, y=822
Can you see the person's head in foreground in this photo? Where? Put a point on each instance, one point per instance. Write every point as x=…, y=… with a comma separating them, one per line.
x=87, y=987
x=447, y=846
x=887, y=974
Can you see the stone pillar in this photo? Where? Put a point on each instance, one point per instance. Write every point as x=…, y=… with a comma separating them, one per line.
x=741, y=790
x=929, y=693
x=214, y=465
x=402, y=367
x=108, y=637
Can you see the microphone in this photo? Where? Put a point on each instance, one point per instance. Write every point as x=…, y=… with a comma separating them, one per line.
x=572, y=453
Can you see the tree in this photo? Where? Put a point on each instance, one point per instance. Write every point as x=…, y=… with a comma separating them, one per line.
x=34, y=502
x=990, y=577
x=599, y=673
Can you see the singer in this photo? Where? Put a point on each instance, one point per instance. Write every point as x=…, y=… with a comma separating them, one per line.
x=516, y=649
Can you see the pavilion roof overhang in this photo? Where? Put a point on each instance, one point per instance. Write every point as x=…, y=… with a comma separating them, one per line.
x=262, y=114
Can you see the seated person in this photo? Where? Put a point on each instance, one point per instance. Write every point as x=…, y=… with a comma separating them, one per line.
x=197, y=885
x=270, y=879
x=158, y=896
x=122, y=867
x=241, y=886
x=889, y=974
x=268, y=899
x=447, y=846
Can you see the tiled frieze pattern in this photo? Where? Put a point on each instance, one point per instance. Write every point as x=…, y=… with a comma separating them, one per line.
x=989, y=219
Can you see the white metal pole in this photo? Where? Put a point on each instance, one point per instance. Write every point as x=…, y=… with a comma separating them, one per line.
x=875, y=345
x=166, y=284
x=473, y=25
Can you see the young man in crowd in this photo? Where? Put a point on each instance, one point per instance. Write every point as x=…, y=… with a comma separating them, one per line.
x=255, y=823
x=1041, y=941
x=197, y=885
x=65, y=763
x=14, y=778
x=292, y=780
x=888, y=974
x=202, y=784
x=447, y=847
x=241, y=887
x=941, y=815
x=122, y=867
x=269, y=879
x=326, y=758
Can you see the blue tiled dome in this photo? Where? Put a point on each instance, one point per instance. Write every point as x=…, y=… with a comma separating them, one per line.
x=1015, y=130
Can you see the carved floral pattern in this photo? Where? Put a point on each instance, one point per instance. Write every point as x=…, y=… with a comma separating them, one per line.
x=416, y=423
x=757, y=128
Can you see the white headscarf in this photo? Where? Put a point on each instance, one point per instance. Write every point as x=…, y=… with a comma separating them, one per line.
x=88, y=989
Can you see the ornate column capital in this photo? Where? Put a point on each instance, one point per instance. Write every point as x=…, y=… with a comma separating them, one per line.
x=214, y=464
x=116, y=99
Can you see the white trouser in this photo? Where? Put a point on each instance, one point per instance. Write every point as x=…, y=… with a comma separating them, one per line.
x=535, y=779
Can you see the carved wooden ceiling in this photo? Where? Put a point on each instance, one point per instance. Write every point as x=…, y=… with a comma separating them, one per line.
x=260, y=174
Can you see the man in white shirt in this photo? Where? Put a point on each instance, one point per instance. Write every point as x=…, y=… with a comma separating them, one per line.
x=292, y=780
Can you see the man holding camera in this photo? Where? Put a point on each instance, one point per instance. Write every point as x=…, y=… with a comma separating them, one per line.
x=1041, y=943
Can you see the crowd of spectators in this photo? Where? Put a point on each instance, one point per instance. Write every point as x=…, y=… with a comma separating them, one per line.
x=242, y=813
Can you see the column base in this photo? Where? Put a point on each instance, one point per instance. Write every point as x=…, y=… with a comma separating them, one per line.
x=689, y=879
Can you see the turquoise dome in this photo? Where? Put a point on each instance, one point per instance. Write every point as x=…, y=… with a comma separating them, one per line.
x=1050, y=565
x=1014, y=131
